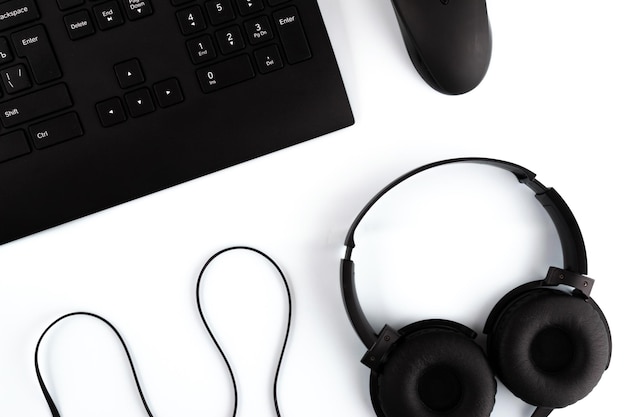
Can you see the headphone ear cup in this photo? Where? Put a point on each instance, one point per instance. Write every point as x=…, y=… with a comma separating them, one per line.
x=436, y=373
x=550, y=348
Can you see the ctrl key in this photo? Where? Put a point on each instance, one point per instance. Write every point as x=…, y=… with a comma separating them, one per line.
x=13, y=145
x=56, y=130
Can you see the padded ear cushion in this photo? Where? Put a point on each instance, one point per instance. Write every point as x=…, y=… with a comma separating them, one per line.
x=550, y=348
x=434, y=373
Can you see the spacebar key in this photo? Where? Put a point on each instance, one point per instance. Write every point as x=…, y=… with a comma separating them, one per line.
x=34, y=105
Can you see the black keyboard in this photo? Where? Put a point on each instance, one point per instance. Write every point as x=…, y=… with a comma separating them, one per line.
x=104, y=101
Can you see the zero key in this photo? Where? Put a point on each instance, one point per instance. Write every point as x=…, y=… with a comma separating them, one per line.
x=34, y=45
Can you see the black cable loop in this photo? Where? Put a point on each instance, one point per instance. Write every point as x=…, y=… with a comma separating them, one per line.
x=44, y=389
x=219, y=348
x=54, y=409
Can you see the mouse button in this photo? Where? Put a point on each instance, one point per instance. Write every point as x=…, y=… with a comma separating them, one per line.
x=423, y=27
x=459, y=50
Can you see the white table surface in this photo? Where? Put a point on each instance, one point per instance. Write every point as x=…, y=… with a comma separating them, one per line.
x=447, y=244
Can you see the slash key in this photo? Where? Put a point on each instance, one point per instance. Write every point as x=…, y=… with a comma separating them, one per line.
x=15, y=79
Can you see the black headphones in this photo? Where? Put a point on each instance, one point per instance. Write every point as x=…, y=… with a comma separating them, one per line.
x=547, y=340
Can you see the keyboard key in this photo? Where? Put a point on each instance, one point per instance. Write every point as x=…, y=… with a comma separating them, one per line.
x=139, y=102
x=56, y=130
x=16, y=12
x=111, y=112
x=258, y=30
x=129, y=73
x=220, y=11
x=292, y=35
x=201, y=49
x=226, y=73
x=247, y=7
x=168, y=92
x=15, y=79
x=268, y=59
x=191, y=20
x=108, y=15
x=179, y=2
x=5, y=52
x=230, y=40
x=33, y=44
x=13, y=145
x=276, y=2
x=137, y=9
x=79, y=25
x=34, y=105
x=68, y=4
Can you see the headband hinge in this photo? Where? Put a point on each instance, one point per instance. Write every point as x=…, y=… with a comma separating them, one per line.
x=374, y=357
x=557, y=276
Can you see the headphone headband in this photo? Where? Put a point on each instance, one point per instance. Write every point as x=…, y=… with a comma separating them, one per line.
x=570, y=236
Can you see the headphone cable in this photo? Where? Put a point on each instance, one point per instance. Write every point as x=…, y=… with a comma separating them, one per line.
x=53, y=408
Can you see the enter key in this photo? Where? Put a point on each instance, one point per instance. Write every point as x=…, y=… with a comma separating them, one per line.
x=34, y=45
x=292, y=35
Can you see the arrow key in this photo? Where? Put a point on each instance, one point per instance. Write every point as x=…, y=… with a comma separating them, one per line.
x=168, y=92
x=111, y=112
x=129, y=73
x=139, y=102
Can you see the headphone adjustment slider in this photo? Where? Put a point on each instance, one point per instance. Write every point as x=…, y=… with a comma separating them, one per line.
x=376, y=354
x=580, y=283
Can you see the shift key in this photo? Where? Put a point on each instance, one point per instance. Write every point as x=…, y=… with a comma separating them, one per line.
x=34, y=105
x=34, y=45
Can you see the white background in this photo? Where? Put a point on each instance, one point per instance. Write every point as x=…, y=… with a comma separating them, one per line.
x=446, y=244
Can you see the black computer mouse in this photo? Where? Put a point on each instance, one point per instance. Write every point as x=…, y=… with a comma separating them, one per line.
x=449, y=41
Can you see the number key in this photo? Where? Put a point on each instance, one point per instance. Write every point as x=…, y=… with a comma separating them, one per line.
x=258, y=30
x=225, y=73
x=220, y=11
x=201, y=49
x=247, y=7
x=191, y=20
x=230, y=39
